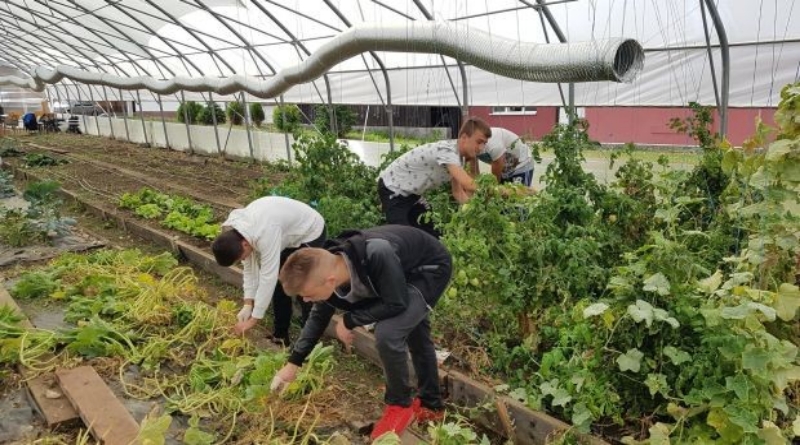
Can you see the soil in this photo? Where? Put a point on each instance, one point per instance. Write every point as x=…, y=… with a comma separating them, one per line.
x=212, y=177
x=101, y=170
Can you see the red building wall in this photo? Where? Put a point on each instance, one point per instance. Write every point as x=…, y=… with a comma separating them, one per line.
x=531, y=126
x=650, y=125
x=641, y=125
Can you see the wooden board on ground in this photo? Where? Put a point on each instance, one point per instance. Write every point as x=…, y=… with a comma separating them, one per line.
x=529, y=426
x=54, y=411
x=101, y=411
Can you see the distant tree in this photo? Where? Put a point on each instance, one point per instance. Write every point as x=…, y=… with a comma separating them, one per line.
x=257, y=113
x=236, y=112
x=205, y=117
x=345, y=119
x=188, y=111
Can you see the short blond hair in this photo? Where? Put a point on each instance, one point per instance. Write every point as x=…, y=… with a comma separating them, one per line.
x=301, y=266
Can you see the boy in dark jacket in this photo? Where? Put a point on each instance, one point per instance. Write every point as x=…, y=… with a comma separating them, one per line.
x=392, y=276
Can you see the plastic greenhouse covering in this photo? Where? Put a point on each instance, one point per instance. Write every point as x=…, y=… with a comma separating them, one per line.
x=259, y=38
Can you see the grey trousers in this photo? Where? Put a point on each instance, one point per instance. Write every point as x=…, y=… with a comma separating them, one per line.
x=410, y=331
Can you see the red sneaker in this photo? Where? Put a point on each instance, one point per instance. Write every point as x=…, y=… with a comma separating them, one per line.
x=425, y=415
x=395, y=418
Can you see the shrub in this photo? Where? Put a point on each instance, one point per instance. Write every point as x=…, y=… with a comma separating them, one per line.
x=286, y=117
x=257, y=113
x=236, y=112
x=206, y=117
x=188, y=112
x=345, y=119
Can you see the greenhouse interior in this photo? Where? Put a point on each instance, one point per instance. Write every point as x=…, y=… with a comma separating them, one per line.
x=400, y=222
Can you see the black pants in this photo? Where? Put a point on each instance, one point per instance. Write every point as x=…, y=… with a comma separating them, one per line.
x=405, y=210
x=282, y=303
x=410, y=332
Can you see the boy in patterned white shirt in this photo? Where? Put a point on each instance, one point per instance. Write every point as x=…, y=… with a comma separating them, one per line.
x=402, y=184
x=510, y=158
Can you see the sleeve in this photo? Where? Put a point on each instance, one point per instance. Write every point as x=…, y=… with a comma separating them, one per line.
x=387, y=275
x=250, y=276
x=318, y=321
x=269, y=248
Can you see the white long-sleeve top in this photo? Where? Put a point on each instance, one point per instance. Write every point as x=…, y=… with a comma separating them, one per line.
x=271, y=224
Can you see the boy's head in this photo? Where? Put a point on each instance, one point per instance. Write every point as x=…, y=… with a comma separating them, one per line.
x=230, y=247
x=310, y=274
x=472, y=137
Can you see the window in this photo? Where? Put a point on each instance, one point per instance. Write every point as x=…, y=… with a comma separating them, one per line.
x=513, y=110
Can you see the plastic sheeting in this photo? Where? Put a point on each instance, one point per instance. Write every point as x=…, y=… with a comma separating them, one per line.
x=258, y=37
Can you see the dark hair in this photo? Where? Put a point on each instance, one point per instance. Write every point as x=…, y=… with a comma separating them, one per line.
x=474, y=124
x=227, y=247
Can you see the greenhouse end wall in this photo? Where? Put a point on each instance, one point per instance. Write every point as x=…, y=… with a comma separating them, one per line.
x=234, y=142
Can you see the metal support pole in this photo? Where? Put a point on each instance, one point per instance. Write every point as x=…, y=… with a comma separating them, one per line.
x=125, y=115
x=61, y=104
x=247, y=126
x=571, y=94
x=141, y=116
x=726, y=66
x=461, y=69
x=108, y=104
x=83, y=115
x=164, y=123
x=542, y=5
x=285, y=134
x=94, y=114
x=66, y=92
x=213, y=107
x=710, y=55
x=186, y=121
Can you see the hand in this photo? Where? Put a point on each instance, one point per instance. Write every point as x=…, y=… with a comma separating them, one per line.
x=283, y=377
x=344, y=334
x=245, y=313
x=243, y=326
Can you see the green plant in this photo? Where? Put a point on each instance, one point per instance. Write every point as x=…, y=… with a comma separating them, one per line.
x=41, y=160
x=286, y=117
x=6, y=184
x=181, y=213
x=257, y=113
x=40, y=221
x=10, y=148
x=206, y=115
x=188, y=112
x=331, y=178
x=344, y=119
x=235, y=112
x=16, y=230
x=456, y=432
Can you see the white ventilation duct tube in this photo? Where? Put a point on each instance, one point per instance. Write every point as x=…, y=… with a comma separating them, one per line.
x=617, y=60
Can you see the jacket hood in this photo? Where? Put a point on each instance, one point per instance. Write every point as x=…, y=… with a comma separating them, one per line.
x=352, y=243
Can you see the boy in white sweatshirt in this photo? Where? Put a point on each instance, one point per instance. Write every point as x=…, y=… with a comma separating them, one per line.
x=262, y=235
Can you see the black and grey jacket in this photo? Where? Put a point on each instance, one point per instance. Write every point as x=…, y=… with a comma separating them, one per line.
x=387, y=259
